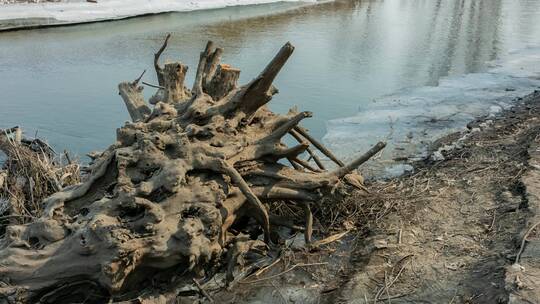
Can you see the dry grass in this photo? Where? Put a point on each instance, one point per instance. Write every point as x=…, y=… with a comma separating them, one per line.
x=30, y=173
x=348, y=208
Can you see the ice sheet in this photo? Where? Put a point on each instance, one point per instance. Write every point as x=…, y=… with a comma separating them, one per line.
x=412, y=118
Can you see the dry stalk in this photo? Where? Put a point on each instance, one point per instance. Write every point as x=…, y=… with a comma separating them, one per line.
x=387, y=285
x=31, y=174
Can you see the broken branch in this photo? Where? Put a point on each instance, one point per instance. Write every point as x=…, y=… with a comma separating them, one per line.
x=259, y=91
x=319, y=145
x=342, y=171
x=157, y=67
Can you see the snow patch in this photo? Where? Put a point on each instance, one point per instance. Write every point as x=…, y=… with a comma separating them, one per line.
x=80, y=11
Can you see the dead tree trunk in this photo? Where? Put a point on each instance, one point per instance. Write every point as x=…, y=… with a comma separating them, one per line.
x=167, y=192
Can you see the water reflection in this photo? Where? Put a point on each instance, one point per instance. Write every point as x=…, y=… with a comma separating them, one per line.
x=62, y=81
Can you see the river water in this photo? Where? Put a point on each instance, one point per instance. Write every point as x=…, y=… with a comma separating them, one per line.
x=367, y=69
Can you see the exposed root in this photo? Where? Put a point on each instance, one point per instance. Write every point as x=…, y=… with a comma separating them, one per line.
x=175, y=188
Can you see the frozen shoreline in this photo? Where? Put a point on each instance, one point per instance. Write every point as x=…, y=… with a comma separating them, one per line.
x=27, y=15
x=412, y=118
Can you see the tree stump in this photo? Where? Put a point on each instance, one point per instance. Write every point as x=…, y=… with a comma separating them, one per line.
x=167, y=192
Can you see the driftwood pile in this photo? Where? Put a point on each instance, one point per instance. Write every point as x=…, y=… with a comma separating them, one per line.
x=168, y=192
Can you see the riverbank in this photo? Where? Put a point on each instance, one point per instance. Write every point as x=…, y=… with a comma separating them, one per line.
x=463, y=228
x=458, y=233
x=42, y=14
x=458, y=230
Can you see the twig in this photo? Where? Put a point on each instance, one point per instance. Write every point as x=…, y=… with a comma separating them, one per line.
x=304, y=164
x=340, y=172
x=493, y=221
x=315, y=158
x=159, y=70
x=4, y=217
x=250, y=196
x=524, y=240
x=294, y=164
x=283, y=272
x=153, y=85
x=319, y=146
x=66, y=153
x=310, y=152
x=387, y=287
x=329, y=239
x=136, y=81
x=203, y=292
x=280, y=221
x=309, y=222
x=401, y=295
x=260, y=271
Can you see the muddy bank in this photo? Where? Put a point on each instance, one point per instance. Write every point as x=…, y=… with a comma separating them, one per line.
x=459, y=222
x=458, y=230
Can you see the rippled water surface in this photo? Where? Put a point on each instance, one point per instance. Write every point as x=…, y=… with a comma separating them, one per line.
x=61, y=82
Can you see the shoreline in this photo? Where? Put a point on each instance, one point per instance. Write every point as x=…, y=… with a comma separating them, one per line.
x=459, y=228
x=26, y=16
x=463, y=227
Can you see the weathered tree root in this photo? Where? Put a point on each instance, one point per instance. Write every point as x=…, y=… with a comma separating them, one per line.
x=167, y=192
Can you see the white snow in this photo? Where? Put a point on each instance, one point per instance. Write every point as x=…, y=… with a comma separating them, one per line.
x=80, y=11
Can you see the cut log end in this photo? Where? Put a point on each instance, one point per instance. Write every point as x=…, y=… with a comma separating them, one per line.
x=132, y=95
x=223, y=81
x=174, y=75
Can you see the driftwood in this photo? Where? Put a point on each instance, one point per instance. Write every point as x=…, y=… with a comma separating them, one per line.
x=168, y=191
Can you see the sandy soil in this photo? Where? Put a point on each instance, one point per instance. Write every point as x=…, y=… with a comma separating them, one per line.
x=459, y=222
x=448, y=233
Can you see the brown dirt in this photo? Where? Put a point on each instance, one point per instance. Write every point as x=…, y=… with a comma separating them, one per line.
x=461, y=219
x=448, y=233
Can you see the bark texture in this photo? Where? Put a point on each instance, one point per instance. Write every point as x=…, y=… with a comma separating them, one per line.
x=168, y=191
